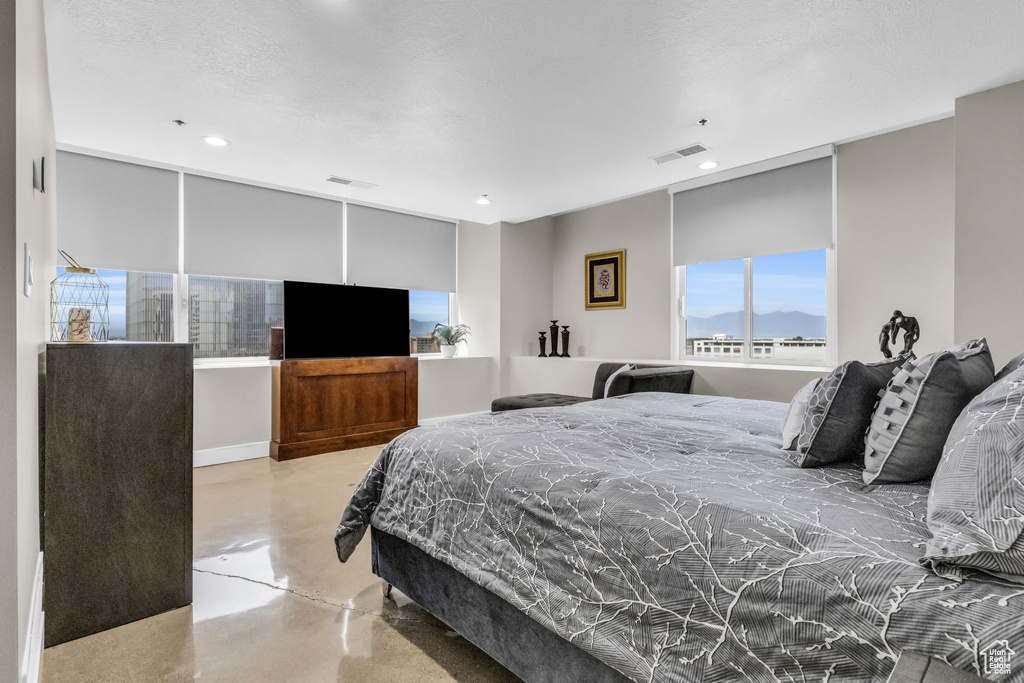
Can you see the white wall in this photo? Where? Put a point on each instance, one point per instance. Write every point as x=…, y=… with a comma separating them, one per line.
x=990, y=219
x=895, y=237
x=456, y=386
x=26, y=122
x=8, y=350
x=640, y=225
x=231, y=407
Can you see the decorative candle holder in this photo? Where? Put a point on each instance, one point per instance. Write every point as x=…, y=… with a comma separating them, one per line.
x=554, y=339
x=543, y=345
x=565, y=341
x=79, y=305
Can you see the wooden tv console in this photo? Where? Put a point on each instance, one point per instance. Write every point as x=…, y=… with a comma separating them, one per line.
x=334, y=404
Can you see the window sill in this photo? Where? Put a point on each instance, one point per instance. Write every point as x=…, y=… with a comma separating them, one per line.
x=764, y=365
x=230, y=363
x=693, y=362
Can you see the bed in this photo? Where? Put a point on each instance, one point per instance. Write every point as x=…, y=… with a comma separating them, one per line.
x=666, y=537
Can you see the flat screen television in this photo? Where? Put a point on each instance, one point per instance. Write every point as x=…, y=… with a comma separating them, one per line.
x=344, y=321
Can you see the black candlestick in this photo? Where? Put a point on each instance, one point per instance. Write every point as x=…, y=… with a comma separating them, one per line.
x=554, y=339
x=565, y=341
x=543, y=345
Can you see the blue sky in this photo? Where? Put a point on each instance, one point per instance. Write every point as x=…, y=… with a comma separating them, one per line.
x=785, y=282
x=428, y=306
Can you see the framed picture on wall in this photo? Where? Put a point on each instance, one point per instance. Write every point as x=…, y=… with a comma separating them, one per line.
x=605, y=276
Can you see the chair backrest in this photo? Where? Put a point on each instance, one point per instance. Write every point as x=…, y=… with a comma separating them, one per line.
x=605, y=370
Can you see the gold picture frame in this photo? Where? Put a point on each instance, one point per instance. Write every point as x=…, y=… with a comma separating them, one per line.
x=605, y=278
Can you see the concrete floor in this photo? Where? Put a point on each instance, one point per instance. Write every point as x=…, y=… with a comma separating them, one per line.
x=272, y=602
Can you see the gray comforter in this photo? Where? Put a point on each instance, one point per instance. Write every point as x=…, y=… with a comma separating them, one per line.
x=670, y=537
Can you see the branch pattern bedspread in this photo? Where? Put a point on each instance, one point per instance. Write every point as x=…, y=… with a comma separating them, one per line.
x=670, y=537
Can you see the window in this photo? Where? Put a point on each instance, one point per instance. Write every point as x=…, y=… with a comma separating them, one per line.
x=141, y=305
x=231, y=317
x=788, y=297
x=766, y=308
x=426, y=310
x=714, y=307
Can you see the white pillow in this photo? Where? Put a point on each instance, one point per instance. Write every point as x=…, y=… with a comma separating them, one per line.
x=608, y=382
x=795, y=416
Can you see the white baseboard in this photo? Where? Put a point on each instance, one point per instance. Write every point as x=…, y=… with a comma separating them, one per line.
x=431, y=421
x=32, y=657
x=217, y=456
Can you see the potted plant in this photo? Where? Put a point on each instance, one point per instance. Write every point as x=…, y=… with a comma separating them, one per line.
x=448, y=336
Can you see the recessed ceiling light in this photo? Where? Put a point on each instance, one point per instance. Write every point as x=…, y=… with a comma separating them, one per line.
x=707, y=165
x=215, y=141
x=484, y=199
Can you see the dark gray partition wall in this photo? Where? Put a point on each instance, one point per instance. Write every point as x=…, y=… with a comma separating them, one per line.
x=117, y=474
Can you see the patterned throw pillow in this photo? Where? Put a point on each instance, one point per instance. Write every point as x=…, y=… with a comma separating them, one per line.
x=839, y=411
x=795, y=416
x=1015, y=363
x=977, y=497
x=918, y=408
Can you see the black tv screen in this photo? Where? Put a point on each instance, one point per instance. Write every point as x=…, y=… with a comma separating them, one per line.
x=344, y=321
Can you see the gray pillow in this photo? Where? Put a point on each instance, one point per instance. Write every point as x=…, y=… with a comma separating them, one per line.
x=795, y=416
x=840, y=409
x=917, y=410
x=977, y=494
x=1015, y=363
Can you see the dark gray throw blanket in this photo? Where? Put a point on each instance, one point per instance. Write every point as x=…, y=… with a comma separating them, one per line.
x=670, y=537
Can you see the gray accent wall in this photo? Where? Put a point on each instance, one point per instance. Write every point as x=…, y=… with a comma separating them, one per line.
x=990, y=219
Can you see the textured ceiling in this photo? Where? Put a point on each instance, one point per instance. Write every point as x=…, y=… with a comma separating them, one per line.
x=546, y=105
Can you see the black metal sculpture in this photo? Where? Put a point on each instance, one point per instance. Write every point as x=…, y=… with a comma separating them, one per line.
x=543, y=345
x=890, y=330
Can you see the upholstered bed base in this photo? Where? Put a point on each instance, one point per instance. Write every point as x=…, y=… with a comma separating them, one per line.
x=513, y=639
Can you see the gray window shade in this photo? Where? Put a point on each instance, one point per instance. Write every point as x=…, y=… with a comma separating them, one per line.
x=775, y=212
x=391, y=249
x=238, y=230
x=113, y=214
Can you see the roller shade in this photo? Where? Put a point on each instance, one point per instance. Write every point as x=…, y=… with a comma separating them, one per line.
x=238, y=230
x=391, y=249
x=775, y=212
x=113, y=214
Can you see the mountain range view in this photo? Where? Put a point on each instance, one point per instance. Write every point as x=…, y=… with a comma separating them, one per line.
x=784, y=324
x=421, y=328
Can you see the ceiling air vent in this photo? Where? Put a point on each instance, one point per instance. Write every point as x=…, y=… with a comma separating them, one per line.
x=689, y=150
x=351, y=183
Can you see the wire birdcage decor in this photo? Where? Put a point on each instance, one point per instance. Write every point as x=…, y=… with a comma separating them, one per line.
x=79, y=305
